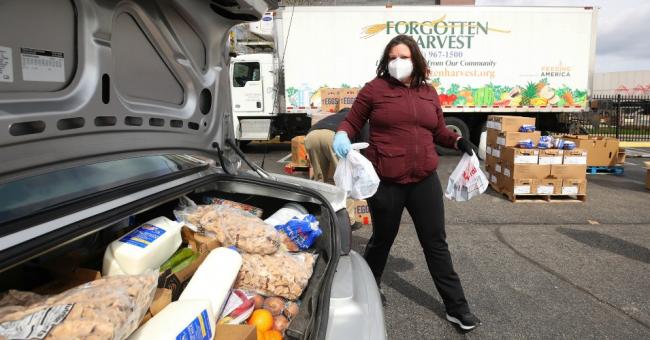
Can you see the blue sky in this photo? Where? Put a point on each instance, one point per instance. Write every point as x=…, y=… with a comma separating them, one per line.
x=623, y=30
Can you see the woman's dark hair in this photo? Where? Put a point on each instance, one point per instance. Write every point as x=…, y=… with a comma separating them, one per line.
x=420, y=67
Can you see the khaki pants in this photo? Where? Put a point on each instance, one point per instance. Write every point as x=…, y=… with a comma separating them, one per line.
x=323, y=161
x=321, y=155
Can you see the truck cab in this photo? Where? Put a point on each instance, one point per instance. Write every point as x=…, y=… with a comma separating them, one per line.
x=257, y=100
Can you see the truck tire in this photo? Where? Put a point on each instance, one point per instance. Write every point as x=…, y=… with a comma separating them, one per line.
x=458, y=126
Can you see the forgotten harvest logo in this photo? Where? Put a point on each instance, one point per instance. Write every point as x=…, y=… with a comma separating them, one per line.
x=436, y=34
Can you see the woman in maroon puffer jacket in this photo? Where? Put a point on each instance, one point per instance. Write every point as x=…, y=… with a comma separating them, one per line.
x=406, y=123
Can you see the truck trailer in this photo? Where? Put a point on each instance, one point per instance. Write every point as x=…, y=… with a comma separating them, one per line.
x=530, y=61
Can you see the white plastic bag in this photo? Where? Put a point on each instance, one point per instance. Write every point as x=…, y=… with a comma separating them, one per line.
x=467, y=180
x=356, y=175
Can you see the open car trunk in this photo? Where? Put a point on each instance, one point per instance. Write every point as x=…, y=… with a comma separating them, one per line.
x=85, y=243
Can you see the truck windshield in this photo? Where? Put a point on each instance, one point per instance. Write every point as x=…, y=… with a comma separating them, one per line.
x=31, y=195
x=244, y=72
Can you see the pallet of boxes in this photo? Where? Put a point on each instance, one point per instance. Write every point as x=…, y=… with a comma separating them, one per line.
x=524, y=166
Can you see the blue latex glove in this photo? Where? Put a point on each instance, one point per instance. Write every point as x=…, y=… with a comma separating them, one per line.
x=341, y=144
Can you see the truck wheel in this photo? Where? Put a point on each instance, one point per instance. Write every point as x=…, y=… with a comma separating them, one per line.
x=458, y=126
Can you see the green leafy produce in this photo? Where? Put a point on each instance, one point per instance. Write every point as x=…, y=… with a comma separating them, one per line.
x=178, y=257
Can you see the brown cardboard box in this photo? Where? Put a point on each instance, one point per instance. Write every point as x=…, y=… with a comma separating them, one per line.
x=601, y=151
x=330, y=100
x=574, y=186
x=551, y=156
x=621, y=156
x=508, y=123
x=526, y=171
x=347, y=97
x=575, y=156
x=513, y=138
x=299, y=152
x=490, y=161
x=518, y=186
x=161, y=299
x=236, y=332
x=492, y=136
x=569, y=171
x=362, y=212
x=647, y=176
x=513, y=155
x=548, y=186
x=493, y=150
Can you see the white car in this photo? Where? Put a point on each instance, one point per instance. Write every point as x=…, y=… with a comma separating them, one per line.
x=111, y=111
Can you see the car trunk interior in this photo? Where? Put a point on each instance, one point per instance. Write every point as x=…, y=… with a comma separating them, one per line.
x=87, y=252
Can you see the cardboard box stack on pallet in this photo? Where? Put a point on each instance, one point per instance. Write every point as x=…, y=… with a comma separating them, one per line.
x=520, y=172
x=603, y=153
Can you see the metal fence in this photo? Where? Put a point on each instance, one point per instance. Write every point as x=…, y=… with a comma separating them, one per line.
x=626, y=117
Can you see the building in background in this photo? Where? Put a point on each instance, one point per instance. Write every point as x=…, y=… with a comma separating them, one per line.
x=623, y=83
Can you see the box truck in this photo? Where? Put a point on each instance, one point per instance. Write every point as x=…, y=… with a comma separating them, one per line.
x=535, y=61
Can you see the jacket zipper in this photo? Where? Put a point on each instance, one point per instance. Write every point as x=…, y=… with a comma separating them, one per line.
x=415, y=128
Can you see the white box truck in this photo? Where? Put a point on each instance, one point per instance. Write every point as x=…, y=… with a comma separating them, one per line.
x=535, y=61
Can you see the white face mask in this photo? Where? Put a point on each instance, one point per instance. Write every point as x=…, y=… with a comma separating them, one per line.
x=400, y=69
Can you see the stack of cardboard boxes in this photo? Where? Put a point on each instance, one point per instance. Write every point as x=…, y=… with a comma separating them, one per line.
x=515, y=171
x=601, y=151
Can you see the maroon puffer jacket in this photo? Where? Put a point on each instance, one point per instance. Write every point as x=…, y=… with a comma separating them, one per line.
x=405, y=125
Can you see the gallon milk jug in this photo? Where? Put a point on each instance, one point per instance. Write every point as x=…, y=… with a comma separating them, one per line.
x=214, y=278
x=190, y=319
x=146, y=247
x=285, y=214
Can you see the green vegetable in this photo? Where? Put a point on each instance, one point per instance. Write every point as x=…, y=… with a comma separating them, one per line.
x=185, y=263
x=178, y=257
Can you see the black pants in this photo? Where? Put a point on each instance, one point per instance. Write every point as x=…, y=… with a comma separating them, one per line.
x=423, y=201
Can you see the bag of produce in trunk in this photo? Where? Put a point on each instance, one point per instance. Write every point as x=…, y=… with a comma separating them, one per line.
x=108, y=308
x=231, y=227
x=302, y=230
x=280, y=274
x=234, y=227
x=245, y=207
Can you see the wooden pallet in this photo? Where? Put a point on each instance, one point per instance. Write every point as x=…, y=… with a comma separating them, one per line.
x=614, y=170
x=532, y=198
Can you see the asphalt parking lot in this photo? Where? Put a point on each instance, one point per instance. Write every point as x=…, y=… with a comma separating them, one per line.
x=530, y=270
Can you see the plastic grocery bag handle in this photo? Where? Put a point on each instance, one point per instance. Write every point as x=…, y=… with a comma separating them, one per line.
x=359, y=146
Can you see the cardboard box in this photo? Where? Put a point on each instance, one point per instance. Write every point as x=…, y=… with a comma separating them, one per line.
x=493, y=150
x=508, y=123
x=551, y=156
x=621, y=156
x=647, y=176
x=161, y=299
x=518, y=186
x=601, y=151
x=569, y=171
x=330, y=100
x=526, y=171
x=548, y=186
x=490, y=161
x=575, y=156
x=504, y=138
x=492, y=136
x=236, y=332
x=362, y=212
x=299, y=152
x=513, y=155
x=574, y=186
x=347, y=97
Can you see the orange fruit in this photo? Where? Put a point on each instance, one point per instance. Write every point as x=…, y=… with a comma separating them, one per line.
x=272, y=335
x=262, y=319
